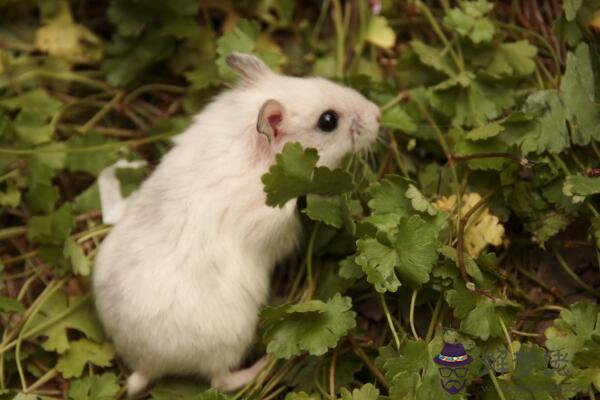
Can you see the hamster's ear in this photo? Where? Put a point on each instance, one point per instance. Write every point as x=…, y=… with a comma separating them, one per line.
x=249, y=67
x=269, y=119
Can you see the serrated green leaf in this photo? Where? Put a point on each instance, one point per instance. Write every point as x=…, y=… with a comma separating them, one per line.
x=581, y=186
x=379, y=33
x=97, y=387
x=549, y=132
x=388, y=196
x=78, y=314
x=577, y=91
x=42, y=197
x=480, y=316
x=470, y=21
x=53, y=228
x=64, y=38
x=485, y=132
x=397, y=118
x=9, y=305
x=312, y=326
x=366, y=392
x=513, y=59
x=295, y=174
x=11, y=196
x=432, y=57
x=82, y=352
x=418, y=201
x=324, y=209
x=411, y=256
x=80, y=263
x=90, y=162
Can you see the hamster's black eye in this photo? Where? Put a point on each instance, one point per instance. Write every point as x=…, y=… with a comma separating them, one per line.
x=328, y=121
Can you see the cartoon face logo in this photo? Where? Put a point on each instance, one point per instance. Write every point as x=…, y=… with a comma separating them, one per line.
x=453, y=361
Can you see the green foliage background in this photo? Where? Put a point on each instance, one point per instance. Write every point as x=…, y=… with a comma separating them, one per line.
x=473, y=220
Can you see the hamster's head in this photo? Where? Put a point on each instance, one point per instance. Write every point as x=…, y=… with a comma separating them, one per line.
x=315, y=112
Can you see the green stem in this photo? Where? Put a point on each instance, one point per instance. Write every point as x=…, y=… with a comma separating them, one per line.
x=434, y=318
x=309, y=260
x=496, y=384
x=574, y=276
x=340, y=38
x=413, y=300
x=90, y=149
x=390, y=321
x=8, y=233
x=102, y=112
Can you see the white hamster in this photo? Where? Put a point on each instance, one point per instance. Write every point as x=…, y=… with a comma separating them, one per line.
x=180, y=279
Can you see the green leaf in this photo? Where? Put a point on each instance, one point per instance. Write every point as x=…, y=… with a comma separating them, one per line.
x=172, y=388
x=366, y=392
x=242, y=39
x=573, y=328
x=79, y=314
x=470, y=21
x=80, y=263
x=302, y=396
x=52, y=228
x=325, y=209
x=579, y=185
x=388, y=196
x=37, y=102
x=577, y=91
x=411, y=256
x=397, y=118
x=90, y=162
x=42, y=197
x=96, y=387
x=546, y=225
x=64, y=38
x=88, y=200
x=129, y=59
x=480, y=316
x=531, y=378
x=485, y=131
x=130, y=179
x=571, y=7
x=295, y=174
x=432, y=57
x=82, y=352
x=494, y=145
x=549, y=132
x=11, y=196
x=313, y=326
x=513, y=59
x=379, y=33
x=8, y=305
x=378, y=261
x=418, y=201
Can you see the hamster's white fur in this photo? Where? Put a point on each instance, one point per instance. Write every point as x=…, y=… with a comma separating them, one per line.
x=180, y=279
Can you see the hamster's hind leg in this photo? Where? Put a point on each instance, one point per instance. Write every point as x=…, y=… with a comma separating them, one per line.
x=136, y=383
x=230, y=381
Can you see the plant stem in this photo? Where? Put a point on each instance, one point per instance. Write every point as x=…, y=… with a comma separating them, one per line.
x=496, y=385
x=370, y=366
x=413, y=300
x=574, y=276
x=340, y=38
x=390, y=322
x=309, y=260
x=434, y=318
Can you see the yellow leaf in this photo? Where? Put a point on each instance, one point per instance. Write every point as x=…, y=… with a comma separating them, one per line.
x=380, y=34
x=64, y=38
x=483, y=228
